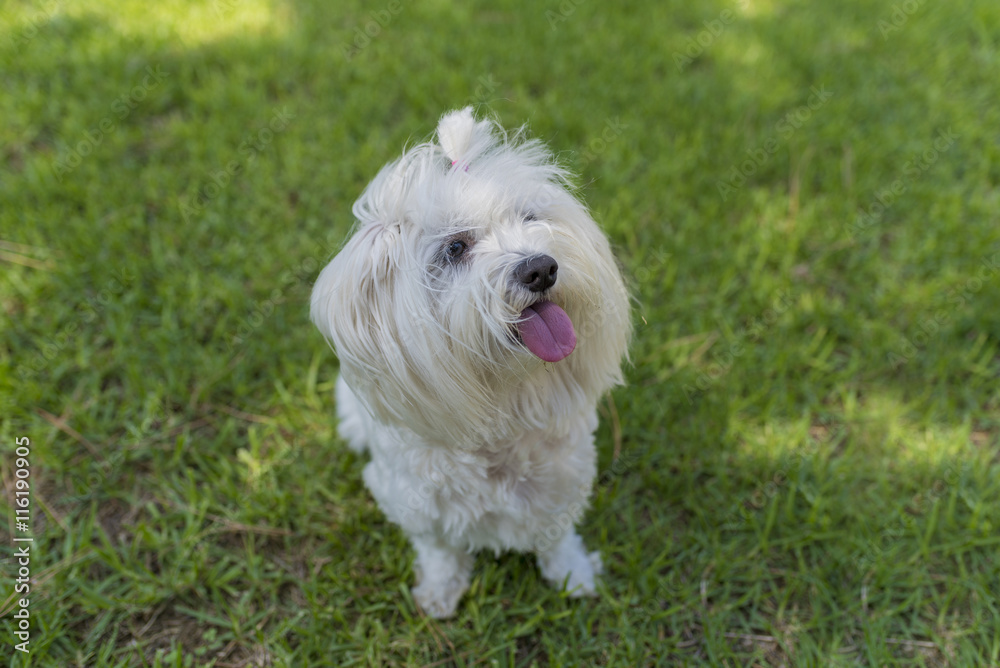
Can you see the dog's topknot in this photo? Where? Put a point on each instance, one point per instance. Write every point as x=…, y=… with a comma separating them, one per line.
x=461, y=135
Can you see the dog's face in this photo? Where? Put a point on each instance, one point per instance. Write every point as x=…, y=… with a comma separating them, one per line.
x=473, y=266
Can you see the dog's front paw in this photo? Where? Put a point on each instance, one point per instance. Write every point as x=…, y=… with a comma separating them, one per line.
x=583, y=578
x=443, y=573
x=583, y=582
x=439, y=600
x=568, y=562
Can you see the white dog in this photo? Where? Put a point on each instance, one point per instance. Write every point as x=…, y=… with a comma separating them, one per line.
x=479, y=316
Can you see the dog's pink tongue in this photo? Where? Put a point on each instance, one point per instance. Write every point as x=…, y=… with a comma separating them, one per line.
x=547, y=331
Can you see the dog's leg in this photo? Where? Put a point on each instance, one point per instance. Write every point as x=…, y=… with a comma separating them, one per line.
x=569, y=558
x=442, y=575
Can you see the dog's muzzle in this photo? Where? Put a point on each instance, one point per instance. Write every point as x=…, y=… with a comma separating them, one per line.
x=544, y=328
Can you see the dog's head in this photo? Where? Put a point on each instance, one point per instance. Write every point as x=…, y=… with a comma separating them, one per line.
x=473, y=265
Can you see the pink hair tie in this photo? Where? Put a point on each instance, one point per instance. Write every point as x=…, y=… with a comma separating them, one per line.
x=453, y=162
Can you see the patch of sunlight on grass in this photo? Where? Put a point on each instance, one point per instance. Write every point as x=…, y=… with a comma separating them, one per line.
x=193, y=23
x=879, y=425
x=776, y=439
x=754, y=8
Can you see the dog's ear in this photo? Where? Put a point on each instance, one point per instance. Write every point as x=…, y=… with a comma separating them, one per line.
x=344, y=304
x=462, y=136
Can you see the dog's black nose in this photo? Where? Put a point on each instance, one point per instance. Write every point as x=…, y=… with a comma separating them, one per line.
x=537, y=273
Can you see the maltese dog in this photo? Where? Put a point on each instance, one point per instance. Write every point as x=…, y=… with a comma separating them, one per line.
x=478, y=315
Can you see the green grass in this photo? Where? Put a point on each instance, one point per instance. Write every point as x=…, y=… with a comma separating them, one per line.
x=802, y=469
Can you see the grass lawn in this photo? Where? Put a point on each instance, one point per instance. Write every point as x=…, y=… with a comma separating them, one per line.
x=803, y=467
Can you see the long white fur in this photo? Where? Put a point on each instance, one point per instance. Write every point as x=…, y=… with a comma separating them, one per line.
x=475, y=442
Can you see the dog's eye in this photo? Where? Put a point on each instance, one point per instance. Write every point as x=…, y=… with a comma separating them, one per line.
x=529, y=216
x=456, y=249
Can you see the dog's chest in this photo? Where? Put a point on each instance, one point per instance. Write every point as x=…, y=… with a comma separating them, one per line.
x=537, y=473
x=496, y=497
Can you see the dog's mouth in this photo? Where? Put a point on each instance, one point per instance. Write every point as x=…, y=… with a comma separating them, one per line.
x=547, y=331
